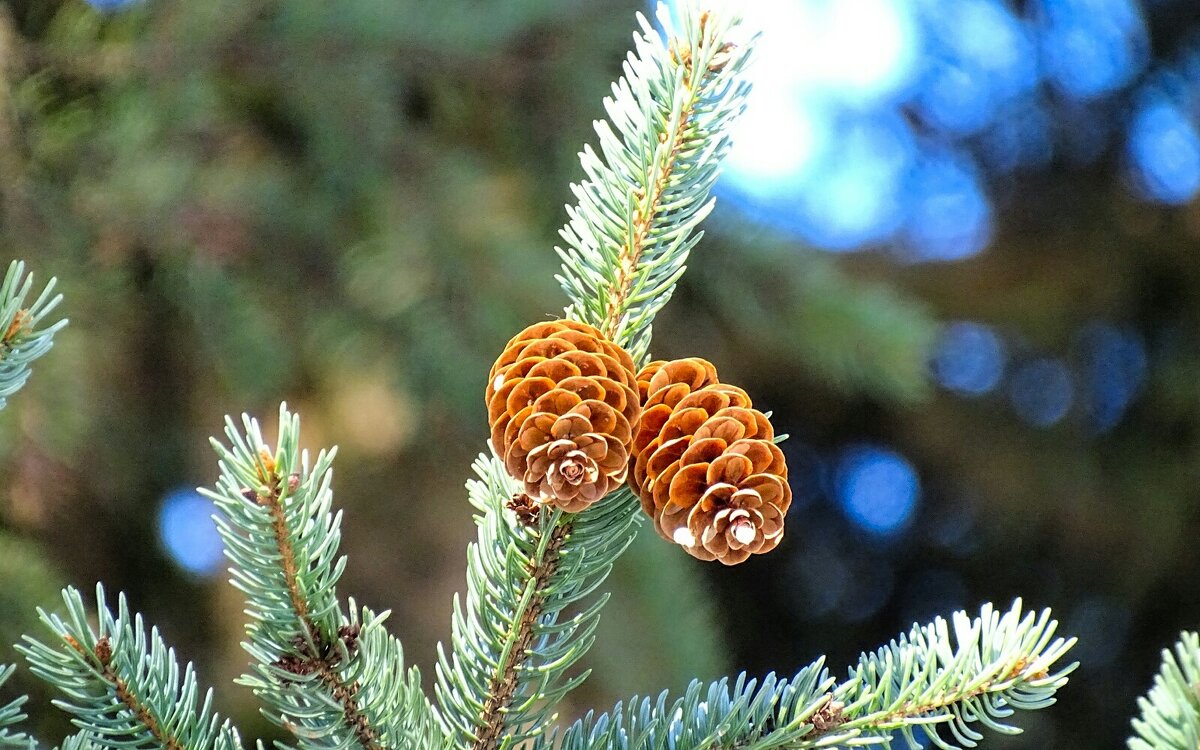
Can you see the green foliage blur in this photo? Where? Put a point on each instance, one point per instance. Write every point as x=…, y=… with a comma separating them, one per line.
x=351, y=206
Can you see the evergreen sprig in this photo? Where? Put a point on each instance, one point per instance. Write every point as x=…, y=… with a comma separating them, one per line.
x=12, y=714
x=123, y=686
x=627, y=243
x=510, y=652
x=23, y=335
x=1170, y=718
x=939, y=676
x=333, y=677
x=954, y=675
x=628, y=237
x=718, y=715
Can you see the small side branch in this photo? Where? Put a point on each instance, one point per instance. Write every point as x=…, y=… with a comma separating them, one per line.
x=649, y=202
x=103, y=654
x=317, y=654
x=946, y=681
x=120, y=683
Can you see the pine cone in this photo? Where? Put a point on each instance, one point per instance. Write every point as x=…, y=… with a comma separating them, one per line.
x=562, y=400
x=705, y=465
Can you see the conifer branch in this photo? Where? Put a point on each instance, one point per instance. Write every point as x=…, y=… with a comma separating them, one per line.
x=517, y=643
x=627, y=243
x=122, y=686
x=1170, y=712
x=315, y=657
x=499, y=684
x=330, y=676
x=23, y=338
x=11, y=715
x=325, y=665
x=628, y=237
x=935, y=677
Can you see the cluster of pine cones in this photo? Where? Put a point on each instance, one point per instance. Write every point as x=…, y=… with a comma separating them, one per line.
x=572, y=421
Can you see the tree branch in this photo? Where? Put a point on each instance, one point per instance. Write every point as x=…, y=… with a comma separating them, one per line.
x=321, y=660
x=504, y=683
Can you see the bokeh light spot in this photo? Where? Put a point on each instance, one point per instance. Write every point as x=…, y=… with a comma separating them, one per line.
x=950, y=217
x=774, y=141
x=869, y=45
x=1019, y=138
x=877, y=488
x=188, y=532
x=1092, y=47
x=1041, y=391
x=856, y=195
x=981, y=57
x=969, y=358
x=1164, y=153
x=956, y=100
x=1114, y=369
x=987, y=34
x=866, y=50
x=111, y=6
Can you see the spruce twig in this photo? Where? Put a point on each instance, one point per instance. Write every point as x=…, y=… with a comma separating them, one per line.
x=122, y=686
x=23, y=335
x=330, y=677
x=1170, y=711
x=938, y=679
x=321, y=661
x=649, y=200
x=629, y=236
x=627, y=240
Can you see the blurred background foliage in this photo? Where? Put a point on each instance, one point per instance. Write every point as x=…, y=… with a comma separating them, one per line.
x=955, y=254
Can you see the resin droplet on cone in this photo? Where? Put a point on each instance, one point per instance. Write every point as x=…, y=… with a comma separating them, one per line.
x=562, y=401
x=705, y=465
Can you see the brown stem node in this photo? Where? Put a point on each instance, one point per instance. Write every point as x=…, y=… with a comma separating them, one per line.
x=104, y=650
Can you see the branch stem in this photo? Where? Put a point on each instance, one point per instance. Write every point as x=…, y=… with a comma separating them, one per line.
x=504, y=682
x=320, y=663
x=648, y=207
x=103, y=655
x=896, y=718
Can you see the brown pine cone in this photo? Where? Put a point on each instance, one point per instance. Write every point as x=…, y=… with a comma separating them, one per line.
x=562, y=400
x=705, y=465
